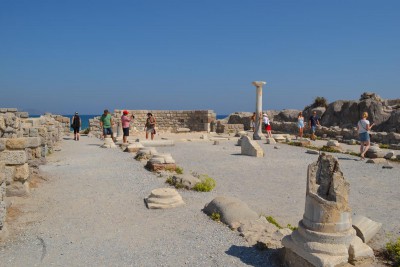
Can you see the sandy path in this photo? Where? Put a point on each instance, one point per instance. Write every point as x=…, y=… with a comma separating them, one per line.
x=90, y=212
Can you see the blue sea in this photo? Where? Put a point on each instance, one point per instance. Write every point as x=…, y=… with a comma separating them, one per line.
x=85, y=118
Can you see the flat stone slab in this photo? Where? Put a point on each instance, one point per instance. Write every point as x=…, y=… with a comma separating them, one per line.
x=157, y=143
x=164, y=198
x=311, y=151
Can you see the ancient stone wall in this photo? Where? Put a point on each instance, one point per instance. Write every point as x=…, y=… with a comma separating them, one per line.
x=167, y=120
x=24, y=144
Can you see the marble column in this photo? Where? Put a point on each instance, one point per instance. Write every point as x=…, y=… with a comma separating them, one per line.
x=257, y=130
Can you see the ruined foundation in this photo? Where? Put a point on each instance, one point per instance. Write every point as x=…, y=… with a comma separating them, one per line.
x=325, y=236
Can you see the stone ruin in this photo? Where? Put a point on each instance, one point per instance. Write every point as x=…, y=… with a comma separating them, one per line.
x=250, y=147
x=338, y=119
x=167, y=120
x=164, y=198
x=325, y=236
x=24, y=144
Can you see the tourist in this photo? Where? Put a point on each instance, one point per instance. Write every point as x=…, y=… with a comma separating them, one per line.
x=76, y=125
x=313, y=123
x=300, y=124
x=106, y=123
x=363, y=128
x=150, y=126
x=267, y=125
x=125, y=119
x=253, y=121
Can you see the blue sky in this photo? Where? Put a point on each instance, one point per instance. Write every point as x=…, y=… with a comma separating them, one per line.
x=62, y=56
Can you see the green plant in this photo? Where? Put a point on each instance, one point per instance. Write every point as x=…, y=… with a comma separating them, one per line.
x=293, y=228
x=272, y=220
x=206, y=185
x=329, y=149
x=216, y=216
x=320, y=101
x=392, y=252
x=179, y=170
x=169, y=181
x=384, y=146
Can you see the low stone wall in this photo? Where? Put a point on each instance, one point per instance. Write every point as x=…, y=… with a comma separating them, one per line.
x=335, y=131
x=229, y=128
x=167, y=120
x=24, y=144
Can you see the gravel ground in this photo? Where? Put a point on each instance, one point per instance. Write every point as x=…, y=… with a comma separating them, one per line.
x=276, y=184
x=90, y=212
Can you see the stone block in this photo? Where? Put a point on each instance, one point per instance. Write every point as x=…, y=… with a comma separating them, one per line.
x=251, y=148
x=2, y=144
x=17, y=189
x=366, y=228
x=33, y=142
x=16, y=143
x=33, y=132
x=13, y=157
x=21, y=172
x=9, y=172
x=232, y=211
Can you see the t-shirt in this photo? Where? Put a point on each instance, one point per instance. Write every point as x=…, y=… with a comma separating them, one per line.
x=266, y=120
x=106, y=120
x=363, y=126
x=125, y=121
x=314, y=120
x=76, y=121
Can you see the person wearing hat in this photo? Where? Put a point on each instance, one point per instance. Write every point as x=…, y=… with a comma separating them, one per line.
x=267, y=125
x=76, y=125
x=125, y=119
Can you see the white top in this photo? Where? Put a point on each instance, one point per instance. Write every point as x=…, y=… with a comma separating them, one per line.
x=265, y=120
x=363, y=126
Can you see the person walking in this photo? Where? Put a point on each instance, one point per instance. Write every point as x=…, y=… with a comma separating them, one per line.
x=363, y=127
x=313, y=123
x=106, y=123
x=125, y=119
x=267, y=125
x=76, y=125
x=300, y=124
x=150, y=126
x=253, y=121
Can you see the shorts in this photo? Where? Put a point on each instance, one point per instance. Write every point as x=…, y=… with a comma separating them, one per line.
x=126, y=131
x=300, y=125
x=107, y=131
x=313, y=129
x=76, y=130
x=150, y=130
x=268, y=127
x=364, y=137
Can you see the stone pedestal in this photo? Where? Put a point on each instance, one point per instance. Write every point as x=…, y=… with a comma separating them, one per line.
x=325, y=236
x=164, y=198
x=257, y=130
x=108, y=143
x=161, y=162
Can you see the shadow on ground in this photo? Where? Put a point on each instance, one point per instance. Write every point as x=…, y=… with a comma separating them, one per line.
x=253, y=256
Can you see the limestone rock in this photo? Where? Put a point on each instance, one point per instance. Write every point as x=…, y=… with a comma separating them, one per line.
x=389, y=155
x=311, y=151
x=188, y=181
x=251, y=148
x=333, y=143
x=108, y=143
x=366, y=228
x=377, y=161
x=157, y=143
x=271, y=140
x=13, y=157
x=133, y=148
x=21, y=172
x=161, y=162
x=17, y=189
x=232, y=211
x=262, y=233
x=279, y=138
x=16, y=143
x=164, y=198
x=374, y=152
x=325, y=236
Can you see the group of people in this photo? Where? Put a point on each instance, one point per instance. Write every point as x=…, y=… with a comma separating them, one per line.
x=363, y=128
x=106, y=123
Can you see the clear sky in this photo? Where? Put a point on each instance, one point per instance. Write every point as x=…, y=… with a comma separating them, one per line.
x=64, y=56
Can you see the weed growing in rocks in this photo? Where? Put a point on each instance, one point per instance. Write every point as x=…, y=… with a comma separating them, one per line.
x=215, y=216
x=272, y=220
x=384, y=146
x=392, y=252
x=330, y=149
x=179, y=170
x=207, y=184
